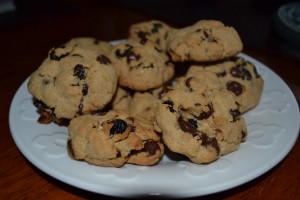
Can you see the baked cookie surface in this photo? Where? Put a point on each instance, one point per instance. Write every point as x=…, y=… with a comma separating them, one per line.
x=100, y=47
x=206, y=40
x=142, y=105
x=238, y=76
x=199, y=122
x=121, y=100
x=153, y=30
x=72, y=81
x=112, y=139
x=141, y=67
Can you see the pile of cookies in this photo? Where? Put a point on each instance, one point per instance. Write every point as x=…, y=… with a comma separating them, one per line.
x=125, y=103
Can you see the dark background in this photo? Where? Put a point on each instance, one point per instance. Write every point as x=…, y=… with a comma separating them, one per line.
x=253, y=19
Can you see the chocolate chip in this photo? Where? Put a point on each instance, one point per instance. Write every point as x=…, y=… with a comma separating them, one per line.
x=54, y=81
x=204, y=115
x=164, y=90
x=132, y=56
x=240, y=72
x=205, y=140
x=143, y=36
x=85, y=89
x=118, y=154
x=139, y=65
x=119, y=126
x=235, y=87
x=151, y=147
x=45, y=82
x=255, y=71
x=235, y=113
x=80, y=107
x=187, y=127
x=188, y=83
x=206, y=35
x=156, y=27
x=157, y=41
x=193, y=123
x=55, y=57
x=46, y=114
x=128, y=53
x=247, y=74
x=243, y=134
x=103, y=59
x=170, y=105
x=238, y=105
x=119, y=54
x=148, y=66
x=45, y=117
x=39, y=104
x=132, y=128
x=236, y=72
x=79, y=71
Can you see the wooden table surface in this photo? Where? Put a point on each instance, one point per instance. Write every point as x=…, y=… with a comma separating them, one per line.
x=22, y=49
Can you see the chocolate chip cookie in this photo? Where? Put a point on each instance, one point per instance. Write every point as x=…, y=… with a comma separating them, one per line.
x=73, y=81
x=141, y=67
x=153, y=30
x=200, y=122
x=206, y=40
x=238, y=76
x=112, y=139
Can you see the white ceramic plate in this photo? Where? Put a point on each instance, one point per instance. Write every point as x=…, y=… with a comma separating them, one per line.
x=273, y=129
